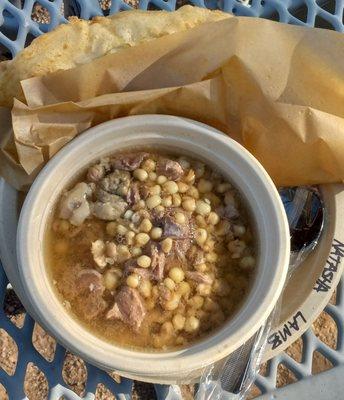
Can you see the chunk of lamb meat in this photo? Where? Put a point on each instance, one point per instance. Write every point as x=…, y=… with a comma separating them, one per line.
x=108, y=206
x=128, y=162
x=128, y=307
x=85, y=287
x=130, y=267
x=199, y=277
x=158, y=261
x=109, y=211
x=89, y=280
x=74, y=205
x=133, y=195
x=173, y=230
x=228, y=212
x=106, y=197
x=98, y=250
x=117, y=182
x=91, y=305
x=95, y=173
x=180, y=233
x=180, y=247
x=195, y=255
x=169, y=168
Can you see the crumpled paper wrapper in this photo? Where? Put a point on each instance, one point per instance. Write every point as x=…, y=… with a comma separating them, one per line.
x=275, y=88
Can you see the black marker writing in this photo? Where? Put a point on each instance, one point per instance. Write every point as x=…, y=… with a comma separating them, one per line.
x=281, y=336
x=323, y=284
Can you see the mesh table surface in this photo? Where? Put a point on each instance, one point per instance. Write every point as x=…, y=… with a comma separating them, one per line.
x=17, y=28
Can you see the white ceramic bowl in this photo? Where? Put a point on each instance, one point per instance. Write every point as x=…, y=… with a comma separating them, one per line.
x=181, y=136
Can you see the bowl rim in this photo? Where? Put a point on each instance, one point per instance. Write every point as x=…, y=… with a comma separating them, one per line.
x=199, y=354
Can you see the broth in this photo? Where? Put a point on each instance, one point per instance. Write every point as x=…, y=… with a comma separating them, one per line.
x=151, y=251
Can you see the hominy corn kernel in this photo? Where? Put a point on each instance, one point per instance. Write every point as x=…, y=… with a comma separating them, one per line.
x=156, y=233
x=193, y=192
x=133, y=281
x=160, y=208
x=144, y=261
x=136, y=251
x=152, y=176
x=167, y=328
x=236, y=246
x=189, y=204
x=177, y=274
x=247, y=262
x=209, y=245
x=173, y=303
x=166, y=245
x=145, y=288
x=150, y=304
x=182, y=187
x=184, y=288
x=213, y=218
x=169, y=283
x=141, y=239
x=128, y=214
x=149, y=165
x=239, y=230
x=212, y=199
x=170, y=187
x=140, y=174
x=201, y=267
x=201, y=236
x=230, y=199
x=190, y=177
x=210, y=305
x=204, y=186
x=166, y=201
x=211, y=257
x=111, y=249
x=180, y=341
x=221, y=287
x=202, y=207
x=111, y=228
x=145, y=225
x=161, y=179
x=199, y=170
x=123, y=253
x=218, y=317
x=153, y=201
x=196, y=301
x=63, y=226
x=178, y=322
x=223, y=227
x=203, y=289
x=176, y=200
x=184, y=163
x=121, y=229
x=111, y=280
x=158, y=341
x=155, y=291
x=191, y=324
x=155, y=190
x=139, y=205
x=180, y=218
x=223, y=187
x=200, y=220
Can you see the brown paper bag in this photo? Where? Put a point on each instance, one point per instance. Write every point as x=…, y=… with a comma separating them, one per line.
x=277, y=89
